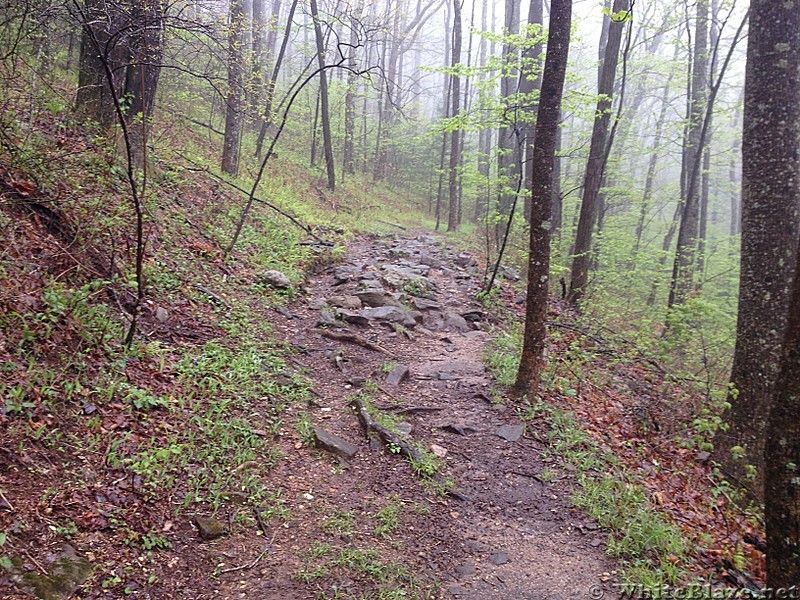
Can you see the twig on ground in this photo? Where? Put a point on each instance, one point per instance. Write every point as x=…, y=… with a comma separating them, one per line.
x=351, y=338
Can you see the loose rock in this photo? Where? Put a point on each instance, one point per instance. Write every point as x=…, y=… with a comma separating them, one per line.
x=209, y=528
x=334, y=444
x=397, y=375
x=276, y=279
x=510, y=433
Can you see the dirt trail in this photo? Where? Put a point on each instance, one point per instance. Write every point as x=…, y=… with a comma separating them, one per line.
x=515, y=535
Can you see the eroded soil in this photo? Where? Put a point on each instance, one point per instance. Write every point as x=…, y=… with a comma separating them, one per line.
x=515, y=535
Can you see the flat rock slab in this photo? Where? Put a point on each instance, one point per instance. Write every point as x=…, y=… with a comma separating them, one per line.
x=64, y=575
x=398, y=374
x=499, y=558
x=334, y=444
x=510, y=433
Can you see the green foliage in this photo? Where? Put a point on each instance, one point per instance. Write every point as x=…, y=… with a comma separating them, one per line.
x=388, y=517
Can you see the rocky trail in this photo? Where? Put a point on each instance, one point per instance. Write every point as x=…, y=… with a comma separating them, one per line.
x=397, y=322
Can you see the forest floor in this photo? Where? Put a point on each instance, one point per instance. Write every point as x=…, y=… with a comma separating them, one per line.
x=224, y=459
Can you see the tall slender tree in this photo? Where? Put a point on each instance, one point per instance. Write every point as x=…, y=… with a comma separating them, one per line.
x=547, y=122
x=598, y=150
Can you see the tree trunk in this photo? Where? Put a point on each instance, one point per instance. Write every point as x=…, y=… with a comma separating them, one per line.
x=349, y=158
x=651, y=166
x=535, y=338
x=94, y=98
x=508, y=146
x=686, y=252
x=530, y=80
x=770, y=234
x=269, y=92
x=597, y=157
x=233, y=113
x=327, y=140
x=455, y=138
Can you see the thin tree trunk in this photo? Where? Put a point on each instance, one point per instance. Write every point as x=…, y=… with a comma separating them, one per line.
x=455, y=138
x=273, y=80
x=597, y=155
x=233, y=113
x=535, y=337
x=686, y=251
x=530, y=80
x=327, y=141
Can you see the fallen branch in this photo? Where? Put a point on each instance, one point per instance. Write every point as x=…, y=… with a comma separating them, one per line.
x=417, y=409
x=252, y=564
x=392, y=224
x=215, y=297
x=391, y=439
x=351, y=338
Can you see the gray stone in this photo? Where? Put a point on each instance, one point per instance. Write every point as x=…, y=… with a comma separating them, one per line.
x=317, y=303
x=64, y=575
x=425, y=304
x=391, y=314
x=347, y=302
x=352, y=317
x=465, y=570
x=162, y=314
x=465, y=260
x=209, y=528
x=276, y=279
x=398, y=374
x=510, y=433
x=404, y=429
x=441, y=376
x=499, y=558
x=377, y=298
x=334, y=444
x=455, y=322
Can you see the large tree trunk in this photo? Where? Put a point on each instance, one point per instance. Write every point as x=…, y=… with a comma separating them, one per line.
x=770, y=234
x=143, y=70
x=327, y=140
x=95, y=96
x=455, y=137
x=233, y=112
x=598, y=149
x=771, y=147
x=532, y=360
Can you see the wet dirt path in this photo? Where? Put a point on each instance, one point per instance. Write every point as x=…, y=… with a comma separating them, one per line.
x=515, y=535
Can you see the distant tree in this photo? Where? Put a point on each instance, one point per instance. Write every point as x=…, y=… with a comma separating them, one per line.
x=455, y=136
x=770, y=234
x=541, y=225
x=234, y=100
x=598, y=152
x=327, y=140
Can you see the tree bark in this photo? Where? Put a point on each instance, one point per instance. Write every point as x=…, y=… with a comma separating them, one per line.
x=530, y=80
x=686, y=252
x=455, y=137
x=233, y=112
x=508, y=146
x=595, y=166
x=770, y=234
x=535, y=337
x=327, y=140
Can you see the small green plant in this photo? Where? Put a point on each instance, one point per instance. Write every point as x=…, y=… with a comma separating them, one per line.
x=388, y=517
x=341, y=521
x=155, y=541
